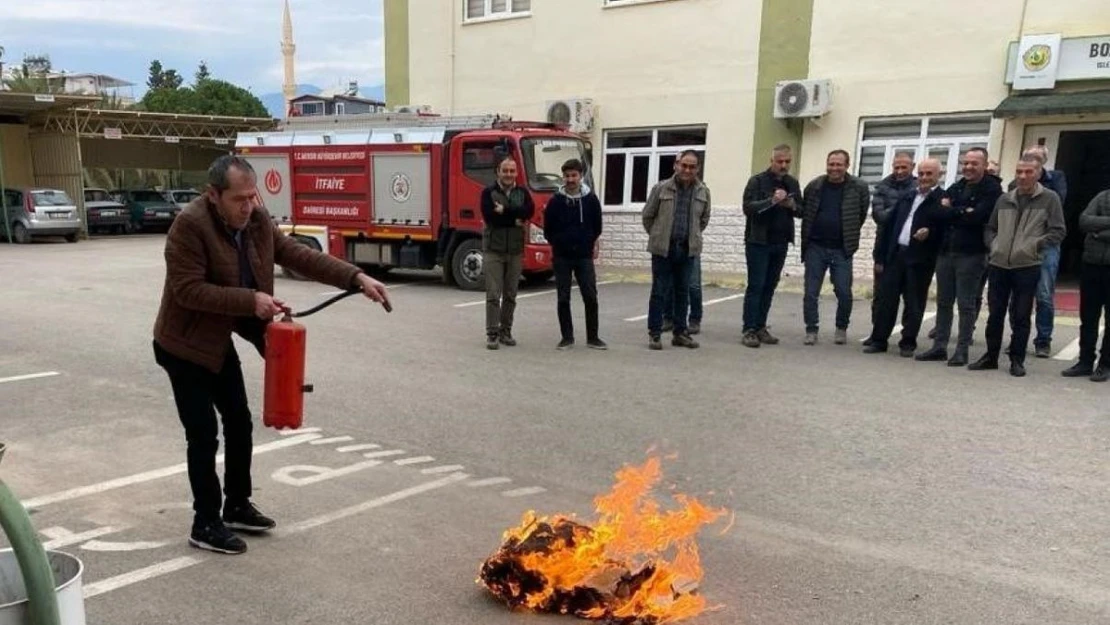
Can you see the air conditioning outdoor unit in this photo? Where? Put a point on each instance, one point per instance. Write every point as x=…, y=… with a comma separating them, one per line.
x=578, y=114
x=413, y=108
x=802, y=98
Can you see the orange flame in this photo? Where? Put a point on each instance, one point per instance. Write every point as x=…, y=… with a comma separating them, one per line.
x=631, y=537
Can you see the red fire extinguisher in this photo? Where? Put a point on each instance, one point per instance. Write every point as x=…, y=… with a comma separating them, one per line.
x=286, y=340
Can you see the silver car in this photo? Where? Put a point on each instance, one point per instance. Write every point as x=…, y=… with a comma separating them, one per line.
x=40, y=212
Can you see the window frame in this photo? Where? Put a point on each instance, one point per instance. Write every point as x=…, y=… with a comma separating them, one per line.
x=655, y=152
x=489, y=15
x=316, y=103
x=923, y=144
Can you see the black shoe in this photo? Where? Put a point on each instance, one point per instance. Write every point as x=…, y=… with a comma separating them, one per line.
x=695, y=327
x=684, y=340
x=596, y=344
x=216, y=537
x=565, y=344
x=906, y=352
x=1078, y=370
x=491, y=342
x=875, y=348
x=1042, y=351
x=247, y=518
x=959, y=359
x=937, y=354
x=867, y=342
x=986, y=363
x=1017, y=369
x=507, y=339
x=933, y=333
x=1101, y=374
x=654, y=343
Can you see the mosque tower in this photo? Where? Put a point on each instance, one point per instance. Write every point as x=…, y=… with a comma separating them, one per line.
x=289, y=88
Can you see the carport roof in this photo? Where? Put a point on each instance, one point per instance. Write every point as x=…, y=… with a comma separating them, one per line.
x=169, y=127
x=23, y=105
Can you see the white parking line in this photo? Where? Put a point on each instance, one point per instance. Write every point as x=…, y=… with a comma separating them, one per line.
x=1071, y=352
x=149, y=476
x=362, y=447
x=29, y=376
x=139, y=575
x=404, y=462
x=709, y=303
x=444, y=469
x=522, y=492
x=332, y=440
x=527, y=295
x=385, y=454
x=489, y=481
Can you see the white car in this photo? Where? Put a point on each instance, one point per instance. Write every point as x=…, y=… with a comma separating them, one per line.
x=181, y=197
x=40, y=212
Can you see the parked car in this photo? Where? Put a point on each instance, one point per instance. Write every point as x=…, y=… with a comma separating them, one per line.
x=181, y=197
x=40, y=212
x=105, y=214
x=147, y=207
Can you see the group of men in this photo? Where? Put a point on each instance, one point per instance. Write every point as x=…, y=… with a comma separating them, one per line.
x=969, y=236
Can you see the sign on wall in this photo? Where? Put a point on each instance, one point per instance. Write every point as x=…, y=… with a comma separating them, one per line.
x=1077, y=58
x=1038, y=62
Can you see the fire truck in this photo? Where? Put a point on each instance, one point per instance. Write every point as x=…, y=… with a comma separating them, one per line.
x=403, y=190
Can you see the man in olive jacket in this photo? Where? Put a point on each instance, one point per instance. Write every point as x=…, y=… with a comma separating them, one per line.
x=1025, y=223
x=1094, y=290
x=834, y=209
x=675, y=215
x=220, y=255
x=506, y=208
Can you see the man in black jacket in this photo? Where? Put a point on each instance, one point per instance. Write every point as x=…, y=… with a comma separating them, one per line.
x=1094, y=290
x=770, y=200
x=887, y=193
x=966, y=207
x=572, y=225
x=908, y=257
x=505, y=209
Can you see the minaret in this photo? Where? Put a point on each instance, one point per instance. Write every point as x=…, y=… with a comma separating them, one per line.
x=289, y=88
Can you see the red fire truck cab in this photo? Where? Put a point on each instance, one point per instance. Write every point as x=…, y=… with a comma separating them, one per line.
x=390, y=191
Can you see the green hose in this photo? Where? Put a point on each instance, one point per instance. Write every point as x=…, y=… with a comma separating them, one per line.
x=38, y=577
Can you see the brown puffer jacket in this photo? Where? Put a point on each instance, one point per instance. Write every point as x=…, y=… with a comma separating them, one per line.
x=202, y=302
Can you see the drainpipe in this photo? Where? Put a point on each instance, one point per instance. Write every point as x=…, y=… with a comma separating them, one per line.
x=38, y=577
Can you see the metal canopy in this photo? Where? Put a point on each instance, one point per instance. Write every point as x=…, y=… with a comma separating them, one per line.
x=168, y=127
x=1065, y=103
x=23, y=105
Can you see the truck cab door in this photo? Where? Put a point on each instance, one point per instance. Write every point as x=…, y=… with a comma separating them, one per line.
x=476, y=169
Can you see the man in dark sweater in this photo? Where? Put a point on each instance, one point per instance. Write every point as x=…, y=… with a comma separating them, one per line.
x=505, y=209
x=1094, y=290
x=572, y=225
x=967, y=205
x=835, y=207
x=770, y=200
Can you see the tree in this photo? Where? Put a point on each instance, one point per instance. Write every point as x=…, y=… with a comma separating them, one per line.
x=202, y=73
x=163, y=79
x=209, y=97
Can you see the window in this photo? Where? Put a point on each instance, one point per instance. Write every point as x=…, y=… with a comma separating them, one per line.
x=311, y=108
x=637, y=159
x=944, y=138
x=480, y=162
x=13, y=199
x=491, y=9
x=340, y=108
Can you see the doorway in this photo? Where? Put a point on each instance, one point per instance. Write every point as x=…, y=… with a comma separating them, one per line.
x=1084, y=157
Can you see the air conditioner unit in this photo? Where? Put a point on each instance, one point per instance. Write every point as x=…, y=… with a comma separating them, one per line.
x=578, y=114
x=413, y=108
x=802, y=98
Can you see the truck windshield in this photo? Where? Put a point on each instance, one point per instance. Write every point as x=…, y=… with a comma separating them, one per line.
x=544, y=158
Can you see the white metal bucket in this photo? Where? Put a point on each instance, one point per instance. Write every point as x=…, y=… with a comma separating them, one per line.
x=67, y=586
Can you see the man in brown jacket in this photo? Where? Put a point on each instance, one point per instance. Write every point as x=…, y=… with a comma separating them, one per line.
x=220, y=255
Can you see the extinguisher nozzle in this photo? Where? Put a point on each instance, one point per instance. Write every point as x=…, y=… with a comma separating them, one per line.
x=307, y=388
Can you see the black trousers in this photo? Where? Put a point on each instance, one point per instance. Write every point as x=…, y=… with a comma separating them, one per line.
x=910, y=284
x=1014, y=290
x=583, y=271
x=198, y=393
x=1094, y=302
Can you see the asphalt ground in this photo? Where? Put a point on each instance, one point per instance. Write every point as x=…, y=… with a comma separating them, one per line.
x=864, y=488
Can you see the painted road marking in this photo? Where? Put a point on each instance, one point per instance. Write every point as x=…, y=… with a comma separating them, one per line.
x=363, y=447
x=60, y=537
x=417, y=460
x=331, y=441
x=1071, y=351
x=29, y=376
x=150, y=476
x=528, y=295
x=385, y=454
x=139, y=575
x=291, y=432
x=444, y=469
x=711, y=302
x=522, y=492
x=110, y=546
x=489, y=481
x=285, y=475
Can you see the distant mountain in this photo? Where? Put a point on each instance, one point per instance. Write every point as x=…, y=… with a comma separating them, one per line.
x=275, y=102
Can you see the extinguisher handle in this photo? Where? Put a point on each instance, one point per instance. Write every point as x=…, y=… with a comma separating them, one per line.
x=317, y=308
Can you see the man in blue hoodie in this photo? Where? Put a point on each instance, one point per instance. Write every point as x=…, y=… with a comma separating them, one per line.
x=572, y=225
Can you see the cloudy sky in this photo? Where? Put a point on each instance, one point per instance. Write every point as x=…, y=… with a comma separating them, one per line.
x=337, y=40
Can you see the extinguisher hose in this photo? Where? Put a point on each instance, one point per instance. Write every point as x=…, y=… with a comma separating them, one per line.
x=317, y=308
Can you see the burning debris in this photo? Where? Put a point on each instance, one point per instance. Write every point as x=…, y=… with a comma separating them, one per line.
x=614, y=571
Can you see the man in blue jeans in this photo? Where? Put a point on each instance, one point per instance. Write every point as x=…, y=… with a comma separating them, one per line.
x=770, y=199
x=675, y=215
x=834, y=208
x=1053, y=180
x=694, y=324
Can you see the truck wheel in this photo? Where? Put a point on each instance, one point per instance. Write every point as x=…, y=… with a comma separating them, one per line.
x=466, y=266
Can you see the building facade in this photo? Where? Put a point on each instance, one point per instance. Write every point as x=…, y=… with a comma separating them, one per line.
x=645, y=79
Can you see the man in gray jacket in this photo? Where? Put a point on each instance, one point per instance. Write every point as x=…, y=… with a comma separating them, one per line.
x=1025, y=222
x=676, y=213
x=1094, y=290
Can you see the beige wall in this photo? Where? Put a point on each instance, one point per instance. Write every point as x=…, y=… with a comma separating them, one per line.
x=664, y=64
x=16, y=154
